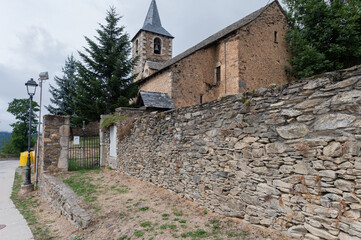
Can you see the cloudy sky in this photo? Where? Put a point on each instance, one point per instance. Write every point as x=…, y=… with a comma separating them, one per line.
x=38, y=35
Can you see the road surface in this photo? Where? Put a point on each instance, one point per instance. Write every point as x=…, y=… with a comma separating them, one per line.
x=12, y=224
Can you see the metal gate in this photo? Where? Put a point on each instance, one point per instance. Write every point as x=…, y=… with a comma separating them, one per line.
x=84, y=153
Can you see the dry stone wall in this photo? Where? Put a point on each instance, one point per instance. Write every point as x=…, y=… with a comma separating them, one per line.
x=286, y=158
x=64, y=201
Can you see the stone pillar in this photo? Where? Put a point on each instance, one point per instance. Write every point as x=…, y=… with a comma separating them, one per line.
x=55, y=143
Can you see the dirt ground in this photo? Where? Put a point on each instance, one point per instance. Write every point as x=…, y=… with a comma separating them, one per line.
x=123, y=207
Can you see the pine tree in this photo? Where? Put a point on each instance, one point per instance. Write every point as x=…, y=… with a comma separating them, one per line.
x=104, y=75
x=325, y=35
x=61, y=96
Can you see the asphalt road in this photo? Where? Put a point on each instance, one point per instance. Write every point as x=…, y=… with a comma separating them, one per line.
x=12, y=224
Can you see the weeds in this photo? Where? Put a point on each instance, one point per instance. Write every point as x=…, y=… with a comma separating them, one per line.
x=146, y=224
x=26, y=206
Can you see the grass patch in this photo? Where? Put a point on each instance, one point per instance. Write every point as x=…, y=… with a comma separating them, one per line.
x=196, y=234
x=81, y=185
x=178, y=213
x=237, y=234
x=143, y=209
x=139, y=233
x=110, y=119
x=26, y=206
x=146, y=224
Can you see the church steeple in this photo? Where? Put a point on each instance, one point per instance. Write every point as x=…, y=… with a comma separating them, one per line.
x=152, y=22
x=152, y=45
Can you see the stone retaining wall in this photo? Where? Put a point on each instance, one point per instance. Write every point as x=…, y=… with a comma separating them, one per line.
x=64, y=201
x=286, y=158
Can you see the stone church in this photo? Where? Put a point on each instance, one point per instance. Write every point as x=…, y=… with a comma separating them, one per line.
x=249, y=54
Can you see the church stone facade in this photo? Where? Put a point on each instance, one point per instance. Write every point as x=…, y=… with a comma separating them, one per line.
x=246, y=55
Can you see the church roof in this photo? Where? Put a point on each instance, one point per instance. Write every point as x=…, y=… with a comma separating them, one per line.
x=215, y=37
x=156, y=100
x=152, y=22
x=154, y=65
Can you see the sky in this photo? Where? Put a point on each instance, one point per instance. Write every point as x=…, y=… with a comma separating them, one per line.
x=38, y=35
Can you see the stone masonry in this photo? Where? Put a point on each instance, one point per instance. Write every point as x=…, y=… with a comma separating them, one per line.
x=251, y=55
x=55, y=143
x=285, y=158
x=64, y=201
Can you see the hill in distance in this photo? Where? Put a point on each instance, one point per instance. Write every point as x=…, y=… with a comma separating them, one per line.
x=4, y=136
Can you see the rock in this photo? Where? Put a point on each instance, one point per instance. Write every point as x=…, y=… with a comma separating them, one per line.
x=355, y=226
x=328, y=174
x=320, y=82
x=357, y=163
x=353, y=214
x=311, y=237
x=309, y=103
x=262, y=187
x=240, y=145
x=320, y=233
x=292, y=131
x=344, y=185
x=286, y=169
x=346, y=97
x=352, y=148
x=333, y=121
x=291, y=113
x=333, y=149
x=213, y=133
x=281, y=184
x=220, y=174
x=326, y=212
x=345, y=236
x=343, y=84
x=351, y=198
x=302, y=168
x=249, y=139
x=297, y=229
x=276, y=147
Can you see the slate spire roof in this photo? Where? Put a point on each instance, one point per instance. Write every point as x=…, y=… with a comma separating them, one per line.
x=152, y=22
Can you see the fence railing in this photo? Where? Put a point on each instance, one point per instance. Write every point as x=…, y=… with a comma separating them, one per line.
x=84, y=153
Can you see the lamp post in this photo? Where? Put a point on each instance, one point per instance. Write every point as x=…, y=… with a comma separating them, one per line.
x=31, y=88
x=42, y=76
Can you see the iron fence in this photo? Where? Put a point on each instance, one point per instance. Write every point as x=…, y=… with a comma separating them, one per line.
x=84, y=153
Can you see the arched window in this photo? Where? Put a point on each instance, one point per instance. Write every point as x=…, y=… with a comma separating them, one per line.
x=136, y=46
x=157, y=45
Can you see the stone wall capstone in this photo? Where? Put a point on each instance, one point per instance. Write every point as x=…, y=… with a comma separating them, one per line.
x=286, y=158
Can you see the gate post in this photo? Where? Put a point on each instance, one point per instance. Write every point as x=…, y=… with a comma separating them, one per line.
x=55, y=141
x=64, y=132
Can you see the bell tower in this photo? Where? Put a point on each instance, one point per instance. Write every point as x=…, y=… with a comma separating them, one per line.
x=152, y=44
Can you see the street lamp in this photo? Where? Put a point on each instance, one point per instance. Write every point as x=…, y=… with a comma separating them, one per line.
x=31, y=88
x=42, y=76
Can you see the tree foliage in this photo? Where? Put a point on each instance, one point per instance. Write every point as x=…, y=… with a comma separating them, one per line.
x=325, y=35
x=61, y=96
x=104, y=74
x=18, y=142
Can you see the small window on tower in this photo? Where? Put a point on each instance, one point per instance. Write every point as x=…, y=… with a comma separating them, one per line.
x=136, y=46
x=157, y=45
x=218, y=76
x=276, y=37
